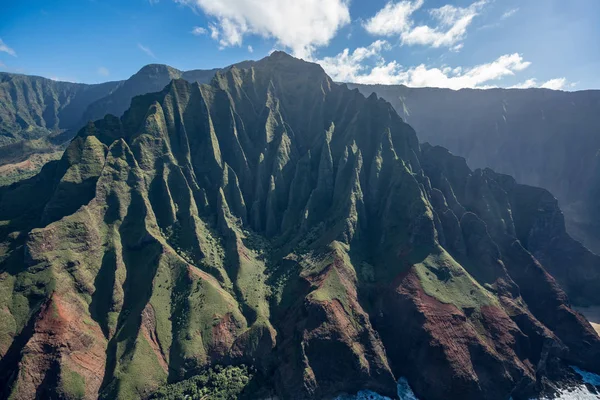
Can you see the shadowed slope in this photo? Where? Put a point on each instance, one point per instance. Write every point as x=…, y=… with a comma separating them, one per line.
x=541, y=137
x=276, y=219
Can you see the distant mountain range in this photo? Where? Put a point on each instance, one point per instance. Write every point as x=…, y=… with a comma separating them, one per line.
x=39, y=116
x=273, y=233
x=541, y=137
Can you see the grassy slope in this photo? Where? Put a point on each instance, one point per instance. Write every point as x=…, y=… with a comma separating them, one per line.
x=166, y=229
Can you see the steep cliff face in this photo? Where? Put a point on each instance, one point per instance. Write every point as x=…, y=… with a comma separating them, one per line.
x=34, y=112
x=276, y=219
x=31, y=106
x=39, y=116
x=541, y=137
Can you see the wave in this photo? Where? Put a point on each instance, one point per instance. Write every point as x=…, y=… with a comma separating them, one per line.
x=404, y=393
x=580, y=392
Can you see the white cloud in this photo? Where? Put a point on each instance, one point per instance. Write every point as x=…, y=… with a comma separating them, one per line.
x=554, y=84
x=352, y=67
x=529, y=83
x=146, y=50
x=198, y=31
x=349, y=67
x=103, y=71
x=452, y=23
x=393, y=18
x=299, y=25
x=457, y=48
x=509, y=13
x=250, y=49
x=4, y=48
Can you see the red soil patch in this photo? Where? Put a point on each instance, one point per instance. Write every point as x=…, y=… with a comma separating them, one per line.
x=63, y=334
x=148, y=329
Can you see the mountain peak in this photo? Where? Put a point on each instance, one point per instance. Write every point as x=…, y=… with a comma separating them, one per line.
x=274, y=215
x=280, y=54
x=158, y=69
x=280, y=58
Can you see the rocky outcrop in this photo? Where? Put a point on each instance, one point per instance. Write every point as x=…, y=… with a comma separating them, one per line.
x=276, y=219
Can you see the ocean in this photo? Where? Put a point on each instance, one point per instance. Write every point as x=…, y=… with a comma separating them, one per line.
x=575, y=393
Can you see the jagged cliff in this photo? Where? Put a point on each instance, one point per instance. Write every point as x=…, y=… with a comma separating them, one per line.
x=32, y=107
x=39, y=116
x=276, y=219
x=34, y=114
x=541, y=137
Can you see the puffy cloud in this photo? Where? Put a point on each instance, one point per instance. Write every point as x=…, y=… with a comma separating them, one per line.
x=452, y=23
x=300, y=25
x=103, y=71
x=199, y=31
x=554, y=84
x=529, y=83
x=353, y=67
x=393, y=19
x=4, y=48
x=146, y=50
x=349, y=67
x=250, y=49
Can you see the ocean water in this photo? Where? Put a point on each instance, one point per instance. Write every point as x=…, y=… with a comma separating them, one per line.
x=578, y=393
x=406, y=393
x=581, y=392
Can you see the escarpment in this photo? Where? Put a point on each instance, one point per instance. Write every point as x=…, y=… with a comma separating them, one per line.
x=276, y=219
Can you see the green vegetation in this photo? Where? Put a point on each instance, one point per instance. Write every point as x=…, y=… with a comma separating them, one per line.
x=220, y=225
x=218, y=383
x=72, y=385
x=446, y=280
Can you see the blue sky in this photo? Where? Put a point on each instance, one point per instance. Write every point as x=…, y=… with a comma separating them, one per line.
x=444, y=43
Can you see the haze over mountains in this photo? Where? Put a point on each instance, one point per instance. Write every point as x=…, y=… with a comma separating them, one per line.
x=39, y=116
x=541, y=137
x=276, y=219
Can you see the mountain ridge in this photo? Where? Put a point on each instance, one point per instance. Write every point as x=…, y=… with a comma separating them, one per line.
x=277, y=219
x=541, y=137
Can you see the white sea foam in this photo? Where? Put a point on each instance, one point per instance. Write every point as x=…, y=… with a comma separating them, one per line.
x=577, y=393
x=406, y=393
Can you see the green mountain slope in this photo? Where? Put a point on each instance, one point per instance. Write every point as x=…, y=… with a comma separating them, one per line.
x=541, y=137
x=151, y=78
x=39, y=116
x=32, y=107
x=277, y=220
x=34, y=113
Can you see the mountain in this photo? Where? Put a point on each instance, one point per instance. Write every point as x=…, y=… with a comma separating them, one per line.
x=541, y=137
x=31, y=106
x=39, y=116
x=151, y=78
x=280, y=233
x=34, y=113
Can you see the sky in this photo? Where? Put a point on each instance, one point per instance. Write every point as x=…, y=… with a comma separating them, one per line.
x=442, y=43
